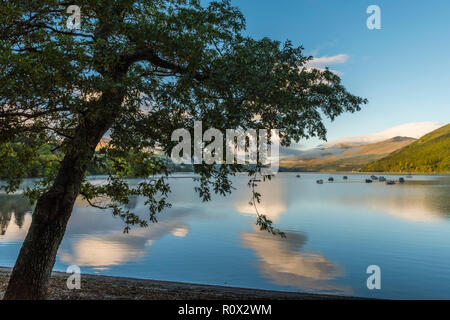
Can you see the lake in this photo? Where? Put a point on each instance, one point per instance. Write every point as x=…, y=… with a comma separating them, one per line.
x=334, y=232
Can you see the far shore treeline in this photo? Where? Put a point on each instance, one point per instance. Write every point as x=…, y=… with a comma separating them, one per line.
x=48, y=157
x=429, y=154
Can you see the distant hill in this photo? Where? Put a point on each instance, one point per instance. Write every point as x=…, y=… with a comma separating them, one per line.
x=414, y=130
x=350, y=157
x=429, y=154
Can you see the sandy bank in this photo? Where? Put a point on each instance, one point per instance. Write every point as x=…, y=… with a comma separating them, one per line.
x=111, y=288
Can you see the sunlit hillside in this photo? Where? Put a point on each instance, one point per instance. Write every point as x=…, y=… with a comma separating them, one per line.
x=353, y=156
x=429, y=154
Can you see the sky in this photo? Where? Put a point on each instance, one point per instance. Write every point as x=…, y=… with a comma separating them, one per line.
x=403, y=69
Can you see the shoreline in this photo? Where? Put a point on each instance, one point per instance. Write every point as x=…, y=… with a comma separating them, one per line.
x=362, y=173
x=99, y=287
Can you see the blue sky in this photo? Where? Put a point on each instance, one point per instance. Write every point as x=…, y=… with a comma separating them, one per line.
x=403, y=69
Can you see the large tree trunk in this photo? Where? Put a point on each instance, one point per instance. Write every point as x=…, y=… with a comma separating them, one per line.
x=32, y=271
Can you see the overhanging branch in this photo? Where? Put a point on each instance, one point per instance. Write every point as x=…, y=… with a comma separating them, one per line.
x=147, y=54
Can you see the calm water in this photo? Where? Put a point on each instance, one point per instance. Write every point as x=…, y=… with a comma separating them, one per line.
x=334, y=232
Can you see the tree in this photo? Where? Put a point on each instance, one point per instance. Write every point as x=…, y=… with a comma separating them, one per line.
x=137, y=70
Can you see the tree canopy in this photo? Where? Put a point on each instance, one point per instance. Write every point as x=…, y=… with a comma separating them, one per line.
x=136, y=71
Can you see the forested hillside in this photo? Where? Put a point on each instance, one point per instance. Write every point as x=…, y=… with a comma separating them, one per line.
x=429, y=154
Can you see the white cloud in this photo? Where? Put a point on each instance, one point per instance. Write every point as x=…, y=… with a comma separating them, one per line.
x=322, y=62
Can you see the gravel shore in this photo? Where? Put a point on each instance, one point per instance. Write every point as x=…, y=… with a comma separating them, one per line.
x=96, y=287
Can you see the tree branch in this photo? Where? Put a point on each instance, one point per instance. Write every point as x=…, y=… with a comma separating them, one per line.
x=147, y=54
x=5, y=114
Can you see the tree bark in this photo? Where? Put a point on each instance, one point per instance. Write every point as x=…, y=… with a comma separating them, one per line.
x=31, y=274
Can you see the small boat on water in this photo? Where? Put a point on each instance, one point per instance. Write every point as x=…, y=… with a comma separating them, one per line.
x=382, y=179
x=345, y=177
x=401, y=180
x=330, y=179
x=319, y=181
x=368, y=181
x=390, y=182
x=298, y=176
x=374, y=177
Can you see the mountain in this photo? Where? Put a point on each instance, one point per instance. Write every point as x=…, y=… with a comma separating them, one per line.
x=344, y=156
x=429, y=154
x=413, y=130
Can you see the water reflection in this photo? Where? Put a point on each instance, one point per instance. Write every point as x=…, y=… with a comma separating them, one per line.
x=334, y=231
x=424, y=201
x=12, y=206
x=282, y=261
x=273, y=201
x=103, y=245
